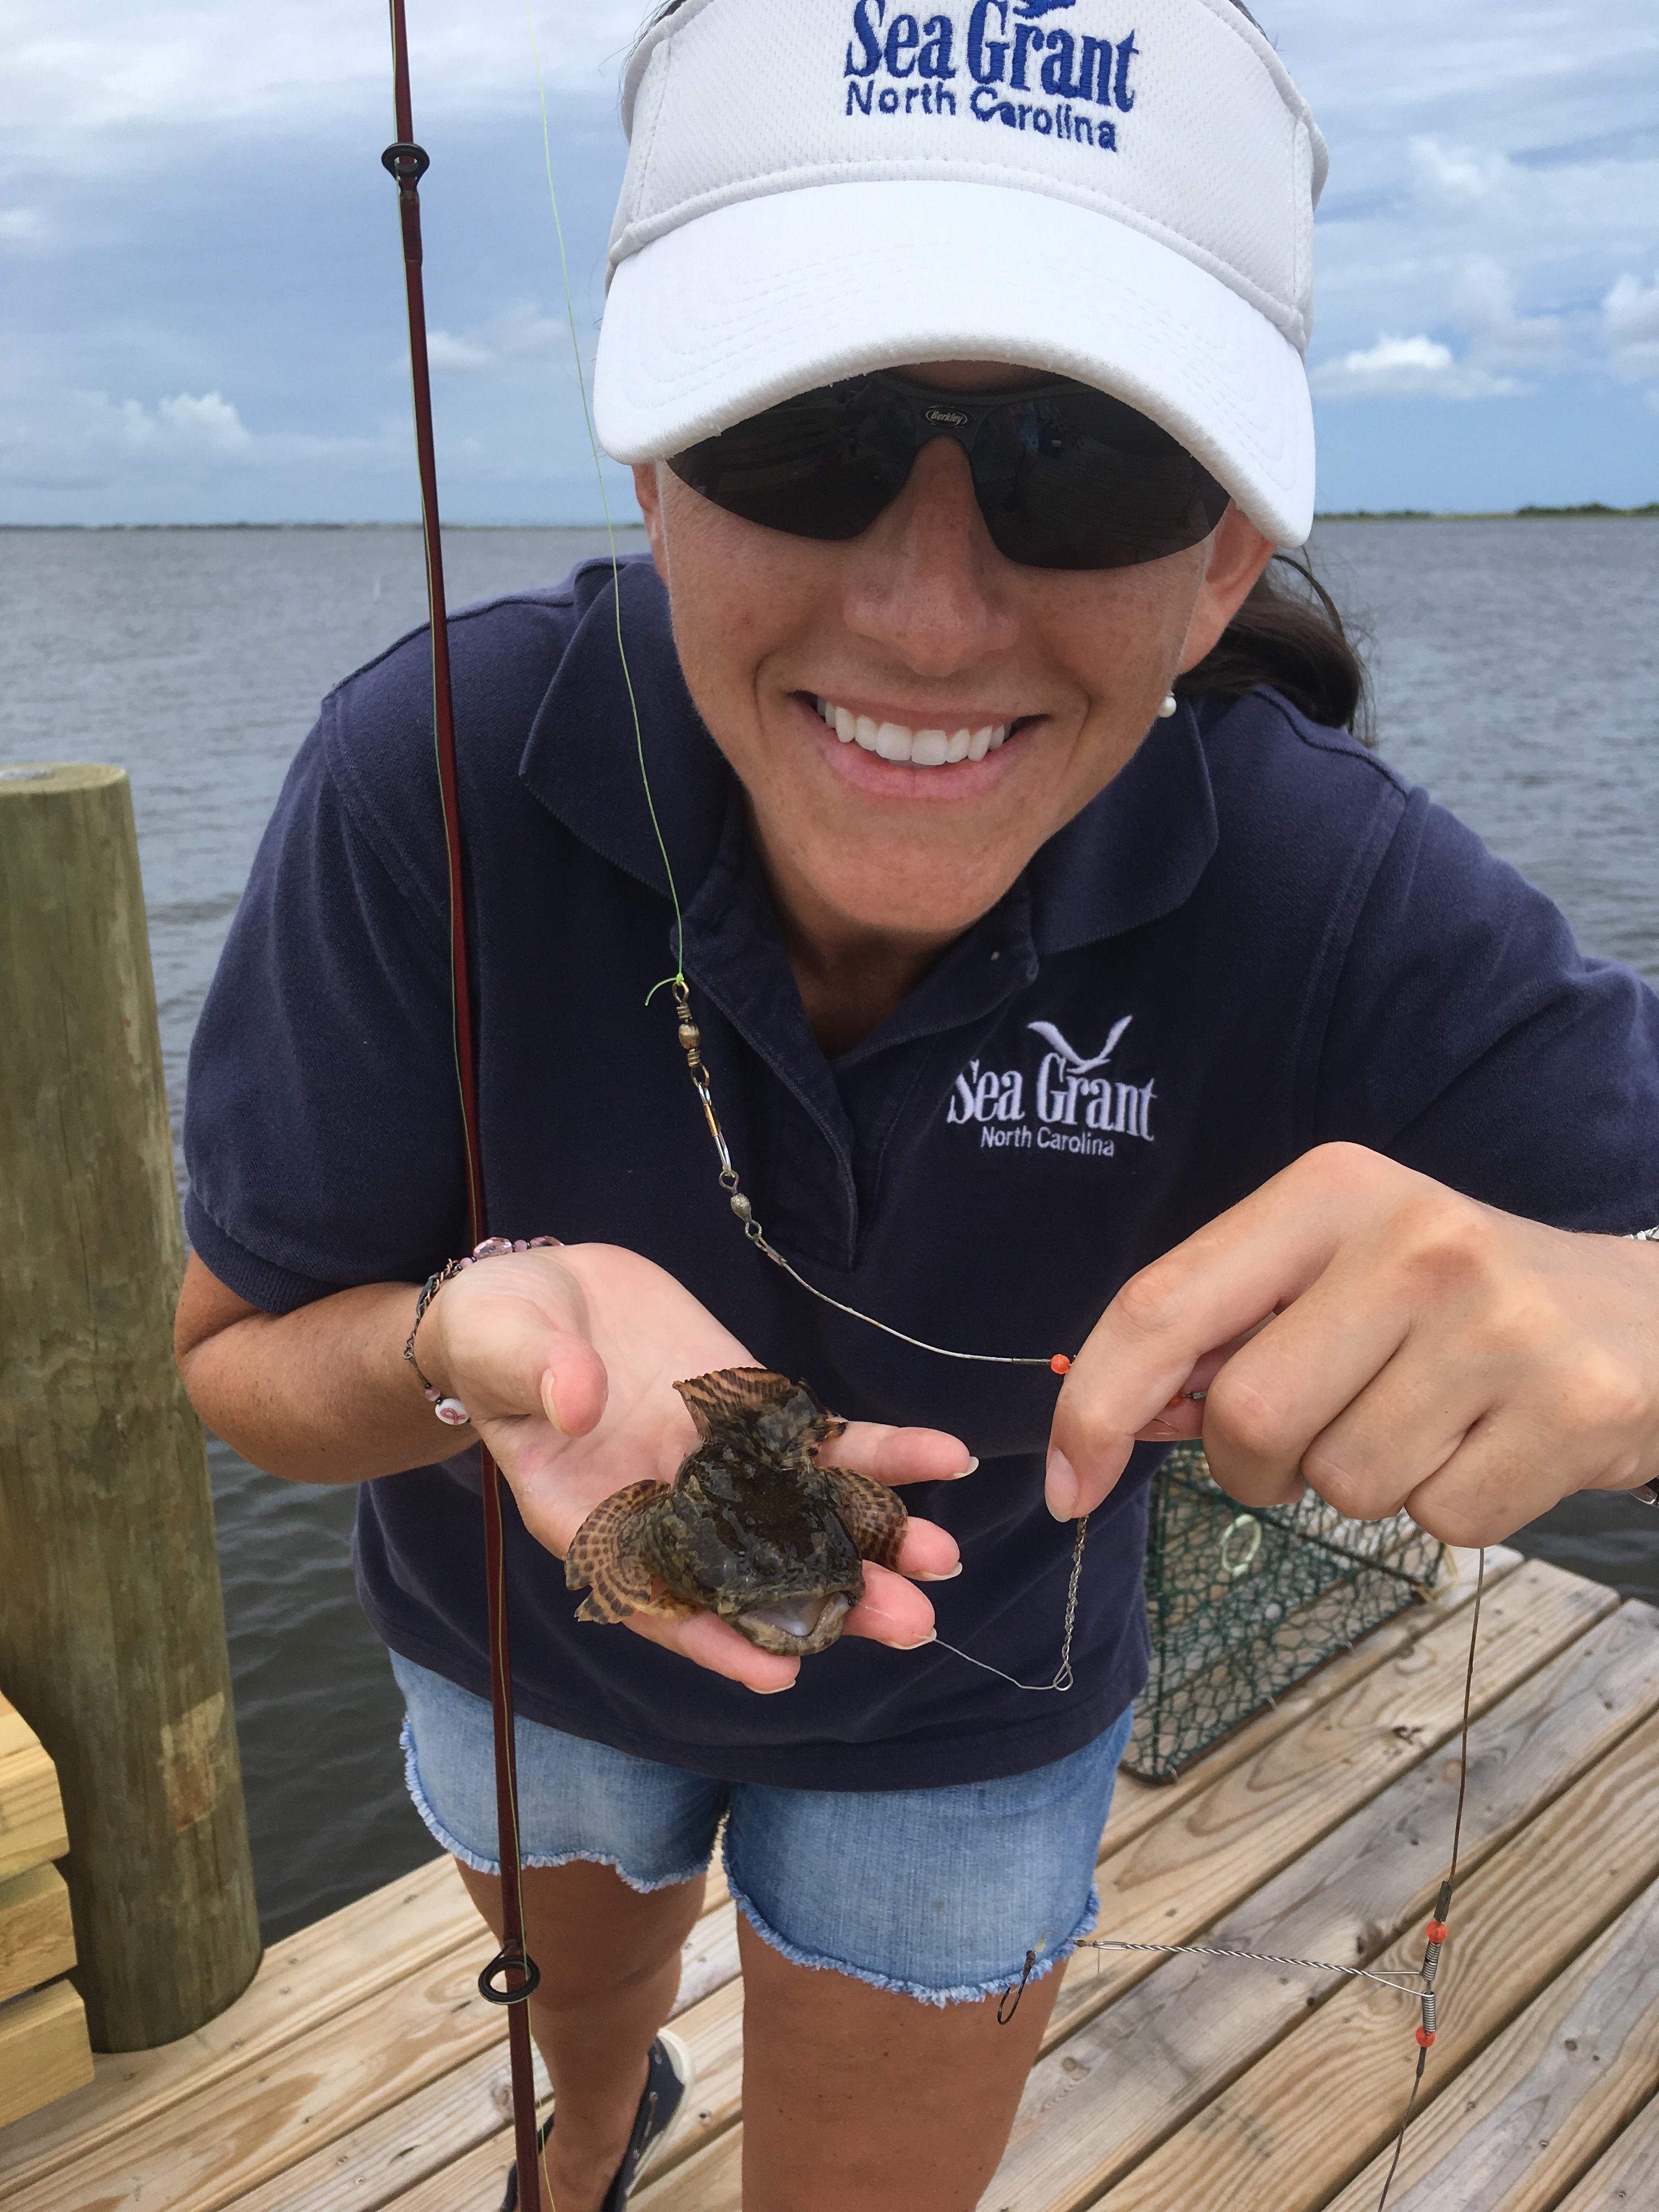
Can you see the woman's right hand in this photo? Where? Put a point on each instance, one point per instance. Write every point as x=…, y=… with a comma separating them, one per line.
x=566, y=1359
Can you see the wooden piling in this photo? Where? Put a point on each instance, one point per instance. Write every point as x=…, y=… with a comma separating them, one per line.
x=111, y=1623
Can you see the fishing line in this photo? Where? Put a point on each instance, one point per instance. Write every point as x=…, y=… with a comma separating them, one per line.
x=688, y=1035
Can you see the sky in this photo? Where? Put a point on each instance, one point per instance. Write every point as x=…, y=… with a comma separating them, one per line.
x=202, y=310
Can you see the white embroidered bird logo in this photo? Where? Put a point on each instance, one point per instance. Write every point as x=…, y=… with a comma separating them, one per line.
x=1072, y=1058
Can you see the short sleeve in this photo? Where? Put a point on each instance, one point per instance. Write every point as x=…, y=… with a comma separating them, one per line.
x=322, y=1125
x=1470, y=1038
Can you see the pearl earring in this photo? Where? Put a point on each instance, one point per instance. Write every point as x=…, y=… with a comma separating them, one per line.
x=1168, y=707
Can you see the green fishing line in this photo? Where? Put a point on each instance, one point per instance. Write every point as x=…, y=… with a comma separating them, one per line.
x=678, y=975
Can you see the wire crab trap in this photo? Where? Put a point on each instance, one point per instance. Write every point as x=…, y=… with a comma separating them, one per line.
x=1243, y=1605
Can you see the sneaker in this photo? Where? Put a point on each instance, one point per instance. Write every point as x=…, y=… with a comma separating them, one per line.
x=670, y=2076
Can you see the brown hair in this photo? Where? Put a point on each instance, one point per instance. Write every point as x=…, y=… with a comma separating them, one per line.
x=1291, y=636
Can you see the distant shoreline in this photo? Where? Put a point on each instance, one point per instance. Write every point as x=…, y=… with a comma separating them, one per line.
x=1592, y=510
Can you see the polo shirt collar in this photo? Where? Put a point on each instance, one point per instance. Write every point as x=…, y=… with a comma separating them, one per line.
x=1133, y=854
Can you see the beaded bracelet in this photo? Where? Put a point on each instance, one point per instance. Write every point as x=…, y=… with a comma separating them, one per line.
x=450, y=1411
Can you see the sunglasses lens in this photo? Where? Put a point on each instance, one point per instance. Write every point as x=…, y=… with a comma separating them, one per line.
x=823, y=466
x=1076, y=480
x=1066, y=478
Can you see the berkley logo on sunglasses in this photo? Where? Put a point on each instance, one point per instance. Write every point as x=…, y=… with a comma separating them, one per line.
x=953, y=416
x=1000, y=52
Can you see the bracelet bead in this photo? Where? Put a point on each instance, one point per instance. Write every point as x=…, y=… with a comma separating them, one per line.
x=451, y=1411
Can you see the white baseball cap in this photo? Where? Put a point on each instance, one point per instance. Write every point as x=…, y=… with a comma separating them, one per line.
x=1120, y=191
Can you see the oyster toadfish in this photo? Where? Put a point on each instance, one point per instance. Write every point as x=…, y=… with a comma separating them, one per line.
x=752, y=1528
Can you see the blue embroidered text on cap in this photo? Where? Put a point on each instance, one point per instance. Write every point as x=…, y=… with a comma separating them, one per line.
x=998, y=51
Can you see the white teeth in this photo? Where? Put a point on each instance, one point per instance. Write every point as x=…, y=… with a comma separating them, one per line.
x=893, y=741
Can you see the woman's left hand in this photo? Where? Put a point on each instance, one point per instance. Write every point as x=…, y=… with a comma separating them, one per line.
x=1356, y=1325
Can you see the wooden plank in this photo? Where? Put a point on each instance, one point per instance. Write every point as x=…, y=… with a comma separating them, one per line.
x=37, y=1935
x=716, y=2033
x=712, y=2181
x=232, y=2133
x=1625, y=2178
x=1107, y=2096
x=44, y=2050
x=1541, y=2103
x=710, y=1962
x=302, y=1982
x=1139, y=1805
x=474, y=2181
x=1169, y=1883
x=405, y=2145
x=1238, y=1831
x=1295, y=2128
x=392, y=2155
x=32, y=1830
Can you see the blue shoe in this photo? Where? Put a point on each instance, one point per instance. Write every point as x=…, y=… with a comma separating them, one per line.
x=670, y=2076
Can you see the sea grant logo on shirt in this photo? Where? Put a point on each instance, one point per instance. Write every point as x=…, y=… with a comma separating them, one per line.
x=898, y=62
x=1075, y=1109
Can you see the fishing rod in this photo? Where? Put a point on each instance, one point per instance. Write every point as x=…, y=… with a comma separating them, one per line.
x=512, y=1975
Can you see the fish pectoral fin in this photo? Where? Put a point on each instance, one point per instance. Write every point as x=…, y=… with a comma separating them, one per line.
x=605, y=1543
x=873, y=1515
x=621, y=1588
x=730, y=1390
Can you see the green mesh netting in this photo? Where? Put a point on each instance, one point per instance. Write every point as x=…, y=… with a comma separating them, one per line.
x=1242, y=1605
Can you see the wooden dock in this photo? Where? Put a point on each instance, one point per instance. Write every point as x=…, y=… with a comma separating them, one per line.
x=361, y=2070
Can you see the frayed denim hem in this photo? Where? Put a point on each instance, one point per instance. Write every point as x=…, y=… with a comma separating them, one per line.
x=458, y=1849
x=957, y=1993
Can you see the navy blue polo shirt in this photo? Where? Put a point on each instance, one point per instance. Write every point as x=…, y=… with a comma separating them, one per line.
x=1256, y=938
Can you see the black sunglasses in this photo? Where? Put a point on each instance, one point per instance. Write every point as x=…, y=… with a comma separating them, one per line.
x=1066, y=477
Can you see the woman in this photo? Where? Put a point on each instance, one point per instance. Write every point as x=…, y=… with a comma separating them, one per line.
x=1061, y=988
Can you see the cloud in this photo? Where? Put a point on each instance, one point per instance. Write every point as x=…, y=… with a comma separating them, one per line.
x=22, y=226
x=1630, y=322
x=448, y=355
x=1484, y=297
x=87, y=78
x=520, y=332
x=1407, y=369
x=1459, y=174
x=173, y=430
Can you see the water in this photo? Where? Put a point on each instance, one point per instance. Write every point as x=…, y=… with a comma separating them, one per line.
x=1516, y=666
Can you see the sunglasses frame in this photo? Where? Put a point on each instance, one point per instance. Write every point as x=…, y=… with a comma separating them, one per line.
x=932, y=411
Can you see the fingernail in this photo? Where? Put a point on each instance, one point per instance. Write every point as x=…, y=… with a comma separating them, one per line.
x=1061, y=1485
x=550, y=1404
x=972, y=1467
x=949, y=1578
x=777, y=1688
x=932, y=1637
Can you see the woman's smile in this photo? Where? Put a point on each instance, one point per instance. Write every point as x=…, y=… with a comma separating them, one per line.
x=955, y=758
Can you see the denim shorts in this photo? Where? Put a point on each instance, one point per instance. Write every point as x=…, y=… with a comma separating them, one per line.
x=937, y=1893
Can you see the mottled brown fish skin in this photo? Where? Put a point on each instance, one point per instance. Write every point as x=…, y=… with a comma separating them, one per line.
x=752, y=1524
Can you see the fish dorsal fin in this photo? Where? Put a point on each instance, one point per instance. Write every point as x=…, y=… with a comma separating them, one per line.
x=734, y=1390
x=789, y=1418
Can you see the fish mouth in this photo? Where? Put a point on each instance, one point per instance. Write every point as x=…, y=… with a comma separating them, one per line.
x=795, y=1627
